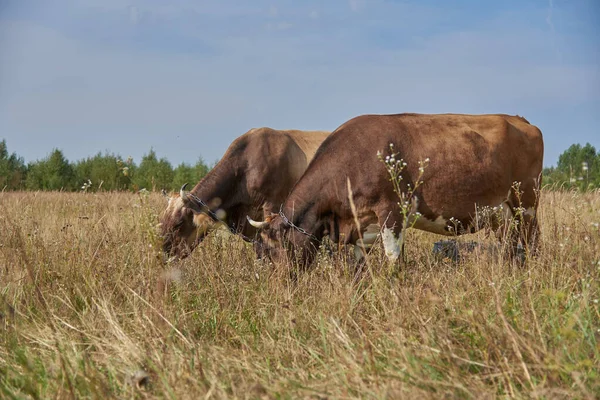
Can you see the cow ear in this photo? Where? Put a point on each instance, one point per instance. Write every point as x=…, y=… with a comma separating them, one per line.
x=271, y=217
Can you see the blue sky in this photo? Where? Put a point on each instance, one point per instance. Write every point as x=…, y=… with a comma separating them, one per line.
x=187, y=77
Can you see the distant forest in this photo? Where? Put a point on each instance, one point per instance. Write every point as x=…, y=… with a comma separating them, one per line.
x=578, y=167
x=97, y=173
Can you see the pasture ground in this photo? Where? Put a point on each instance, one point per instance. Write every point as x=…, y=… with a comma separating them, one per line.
x=88, y=309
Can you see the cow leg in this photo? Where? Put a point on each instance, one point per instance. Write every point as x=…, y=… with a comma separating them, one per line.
x=505, y=230
x=530, y=200
x=520, y=225
x=393, y=247
x=365, y=243
x=531, y=232
x=509, y=232
x=362, y=247
x=392, y=235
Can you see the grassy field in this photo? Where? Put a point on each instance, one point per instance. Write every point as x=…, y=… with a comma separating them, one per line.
x=88, y=309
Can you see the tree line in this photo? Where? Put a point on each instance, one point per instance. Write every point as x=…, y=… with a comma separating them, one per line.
x=100, y=172
x=578, y=167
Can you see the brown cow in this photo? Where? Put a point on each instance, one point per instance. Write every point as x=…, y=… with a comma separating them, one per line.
x=474, y=161
x=254, y=177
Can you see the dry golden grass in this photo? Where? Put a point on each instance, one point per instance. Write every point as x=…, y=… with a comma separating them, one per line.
x=88, y=309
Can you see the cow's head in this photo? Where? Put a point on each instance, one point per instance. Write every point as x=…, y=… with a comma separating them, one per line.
x=282, y=243
x=182, y=224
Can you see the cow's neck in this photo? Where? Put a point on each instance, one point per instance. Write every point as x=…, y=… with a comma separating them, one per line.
x=303, y=214
x=219, y=188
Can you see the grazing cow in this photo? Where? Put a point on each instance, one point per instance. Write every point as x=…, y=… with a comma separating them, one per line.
x=254, y=177
x=474, y=161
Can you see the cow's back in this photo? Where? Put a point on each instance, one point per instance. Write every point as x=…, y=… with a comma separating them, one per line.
x=472, y=158
x=276, y=159
x=307, y=141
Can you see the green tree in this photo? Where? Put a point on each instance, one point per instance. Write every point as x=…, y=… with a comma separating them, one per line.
x=577, y=167
x=52, y=173
x=184, y=173
x=106, y=172
x=581, y=166
x=152, y=173
x=12, y=169
x=201, y=168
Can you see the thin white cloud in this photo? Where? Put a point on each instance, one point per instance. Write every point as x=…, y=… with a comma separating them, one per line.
x=134, y=15
x=549, y=15
x=552, y=29
x=273, y=11
x=279, y=26
x=356, y=5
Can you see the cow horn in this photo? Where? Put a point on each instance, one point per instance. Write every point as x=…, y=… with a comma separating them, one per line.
x=256, y=224
x=191, y=201
x=182, y=192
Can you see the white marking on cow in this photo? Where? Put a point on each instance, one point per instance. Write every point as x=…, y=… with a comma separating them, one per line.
x=175, y=203
x=439, y=225
x=530, y=211
x=391, y=245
